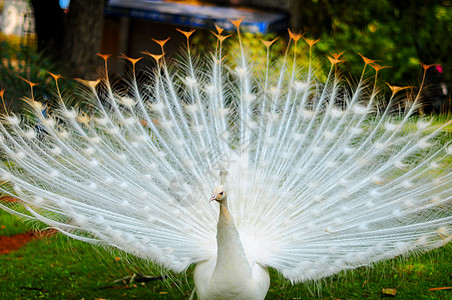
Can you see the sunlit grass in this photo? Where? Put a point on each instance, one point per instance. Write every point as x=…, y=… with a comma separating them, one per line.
x=57, y=267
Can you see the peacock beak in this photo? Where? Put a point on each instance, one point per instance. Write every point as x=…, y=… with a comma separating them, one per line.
x=213, y=197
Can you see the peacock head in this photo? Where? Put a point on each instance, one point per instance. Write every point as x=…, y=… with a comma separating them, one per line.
x=218, y=194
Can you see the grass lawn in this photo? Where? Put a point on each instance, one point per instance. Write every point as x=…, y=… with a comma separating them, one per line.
x=56, y=267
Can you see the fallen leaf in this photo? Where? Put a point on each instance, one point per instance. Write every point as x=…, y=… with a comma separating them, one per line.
x=391, y=292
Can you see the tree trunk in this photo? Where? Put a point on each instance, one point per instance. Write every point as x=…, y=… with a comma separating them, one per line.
x=49, y=26
x=82, y=39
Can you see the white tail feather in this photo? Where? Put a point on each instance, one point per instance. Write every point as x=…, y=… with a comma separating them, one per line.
x=321, y=179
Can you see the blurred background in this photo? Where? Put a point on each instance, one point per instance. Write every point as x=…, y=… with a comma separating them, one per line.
x=63, y=36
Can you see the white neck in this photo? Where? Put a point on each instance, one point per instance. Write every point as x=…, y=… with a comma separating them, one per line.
x=230, y=276
x=231, y=257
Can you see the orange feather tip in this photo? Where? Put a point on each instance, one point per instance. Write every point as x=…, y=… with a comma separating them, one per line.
x=161, y=42
x=366, y=60
x=237, y=22
x=2, y=92
x=426, y=67
x=157, y=57
x=55, y=76
x=269, y=43
x=337, y=55
x=335, y=61
x=378, y=67
x=31, y=84
x=219, y=29
x=294, y=36
x=89, y=83
x=220, y=37
x=186, y=33
x=132, y=60
x=395, y=89
x=104, y=56
x=310, y=42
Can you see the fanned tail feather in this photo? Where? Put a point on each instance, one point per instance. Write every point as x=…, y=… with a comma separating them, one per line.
x=322, y=177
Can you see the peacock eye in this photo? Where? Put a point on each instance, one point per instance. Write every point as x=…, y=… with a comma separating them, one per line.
x=221, y=193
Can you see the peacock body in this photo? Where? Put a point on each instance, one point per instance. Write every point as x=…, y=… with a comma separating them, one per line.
x=321, y=176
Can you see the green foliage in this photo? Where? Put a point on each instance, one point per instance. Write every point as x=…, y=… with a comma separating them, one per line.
x=373, y=42
x=399, y=34
x=18, y=62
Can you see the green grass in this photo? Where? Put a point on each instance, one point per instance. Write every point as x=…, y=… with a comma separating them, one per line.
x=60, y=268
x=11, y=225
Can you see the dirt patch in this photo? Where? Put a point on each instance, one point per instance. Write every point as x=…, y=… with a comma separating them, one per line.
x=12, y=243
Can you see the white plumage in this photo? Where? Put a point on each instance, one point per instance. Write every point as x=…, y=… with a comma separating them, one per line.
x=322, y=177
